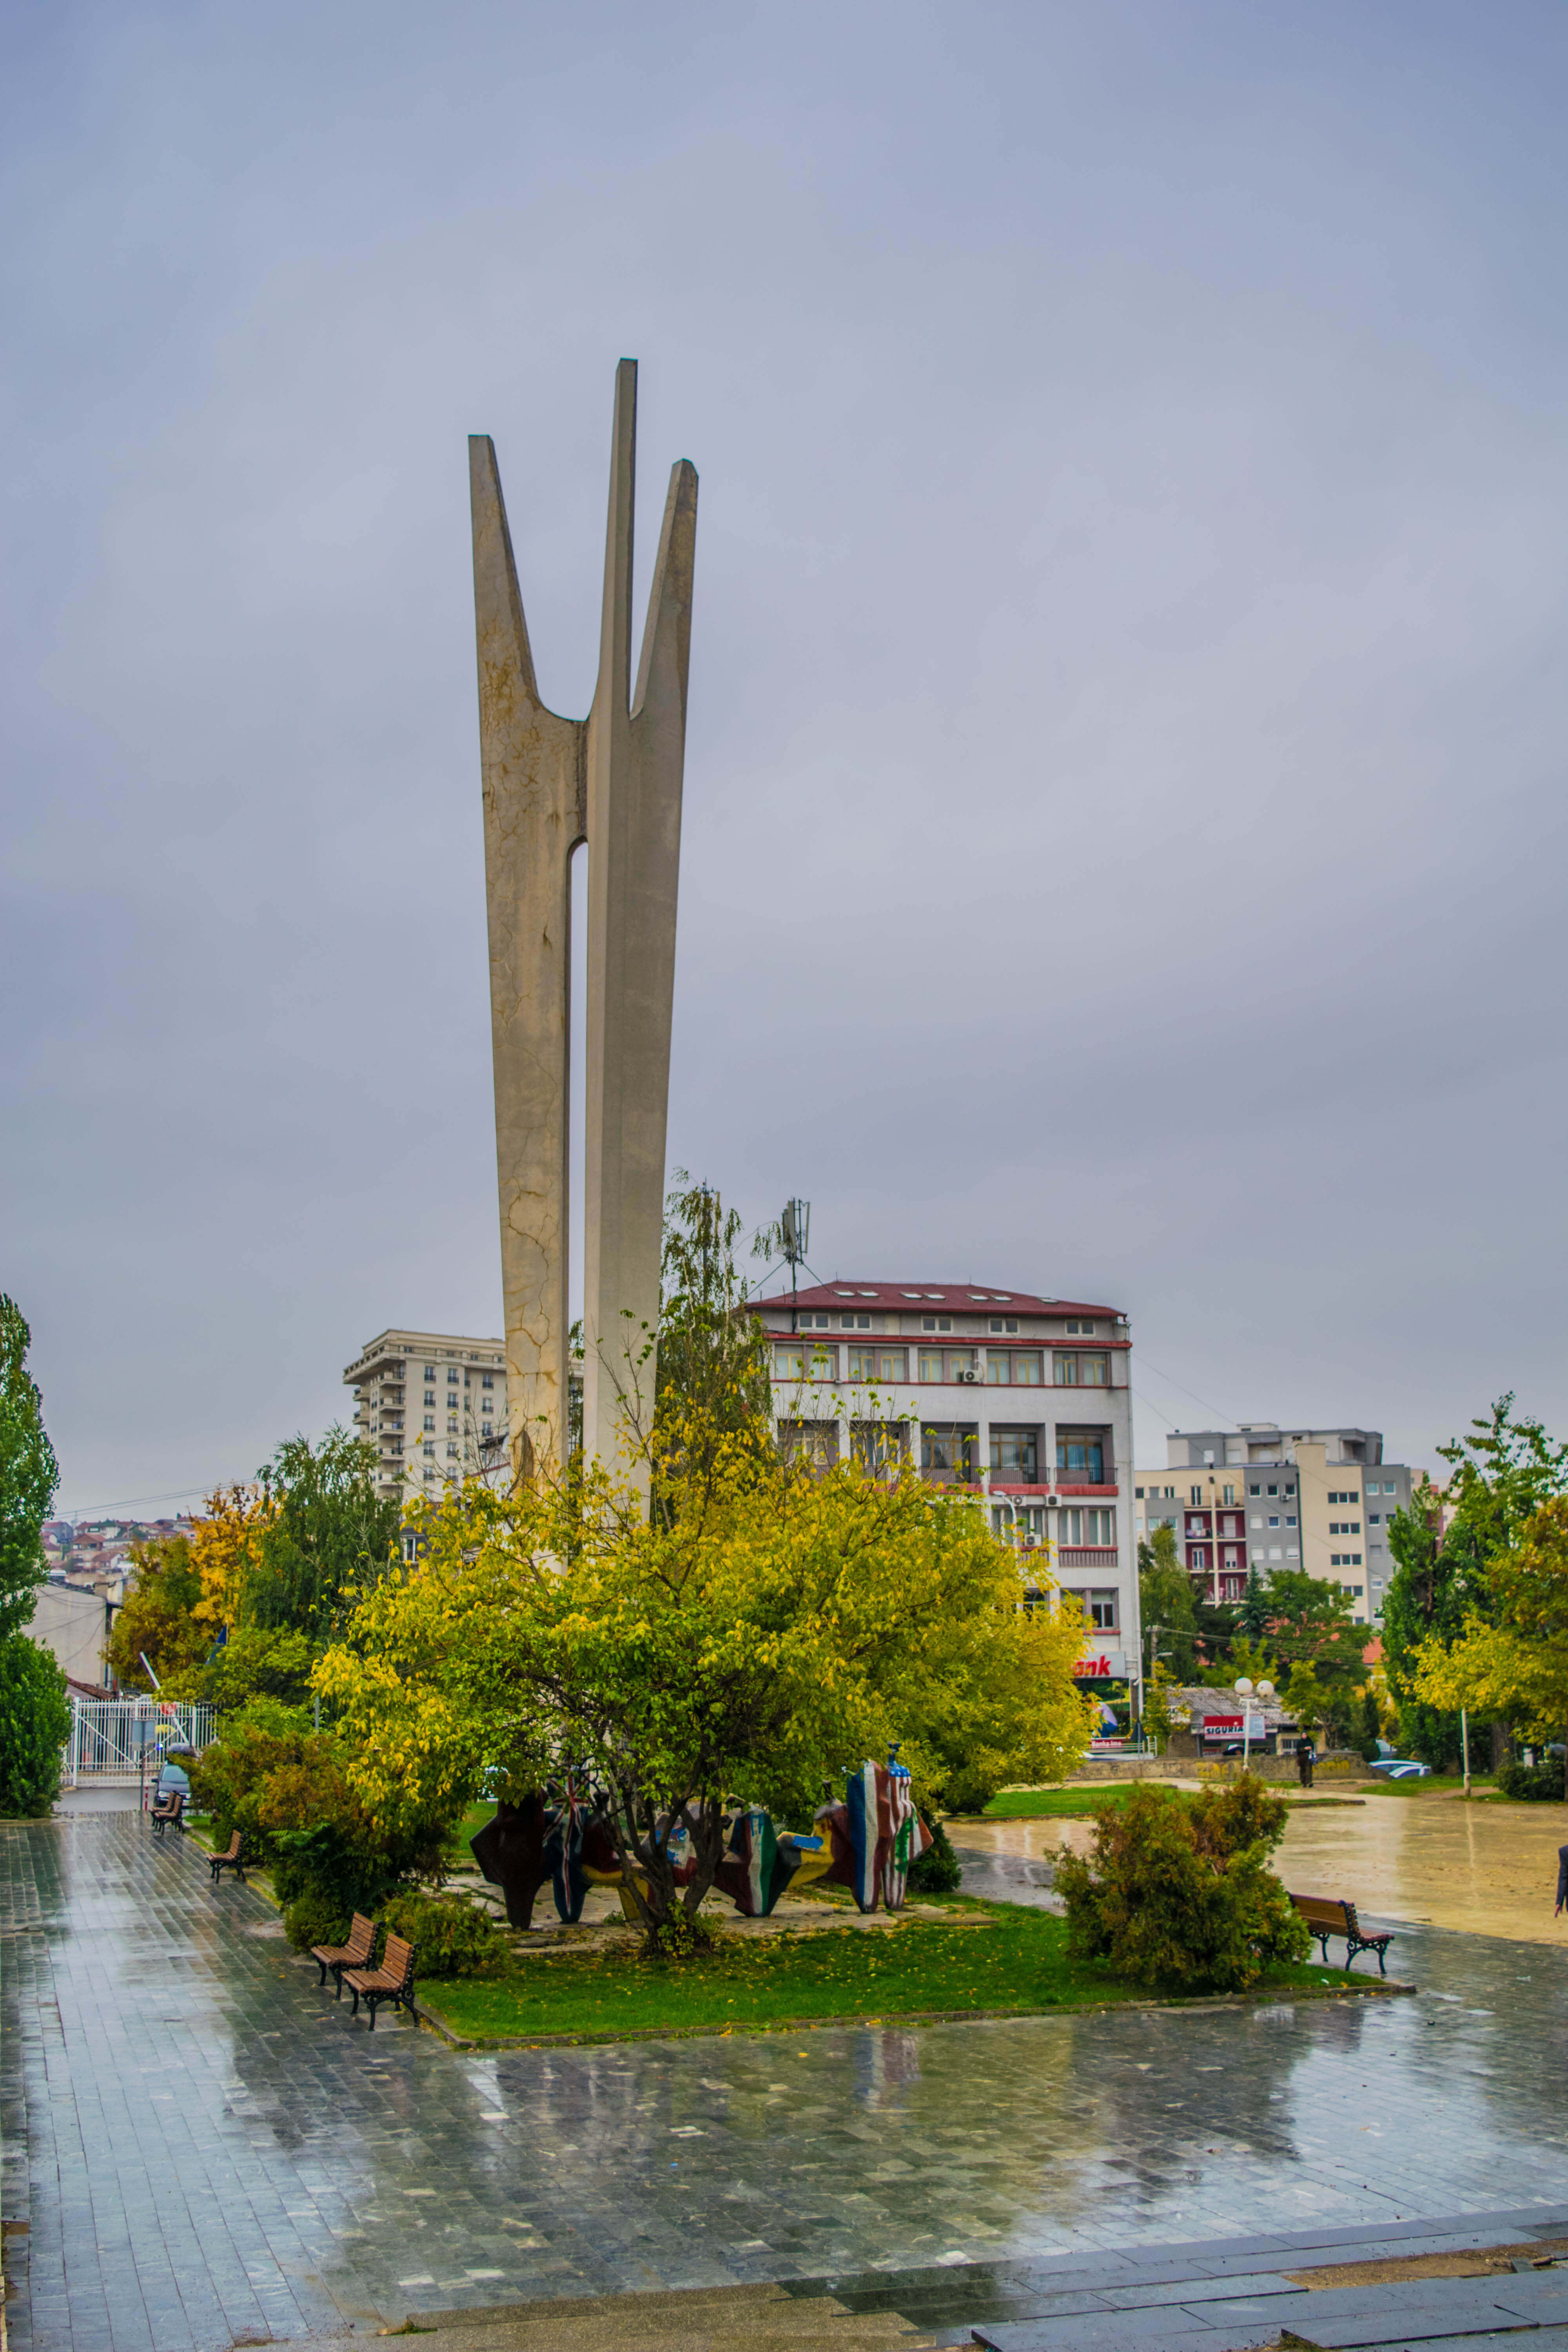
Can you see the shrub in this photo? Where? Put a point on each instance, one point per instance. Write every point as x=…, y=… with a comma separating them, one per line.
x=315, y=1919
x=287, y=1790
x=1180, y=1894
x=938, y=1871
x=35, y=1723
x=452, y=1937
x=1534, y=1784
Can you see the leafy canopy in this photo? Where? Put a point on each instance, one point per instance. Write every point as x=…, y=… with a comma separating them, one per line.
x=1514, y=1666
x=762, y=1629
x=29, y=1474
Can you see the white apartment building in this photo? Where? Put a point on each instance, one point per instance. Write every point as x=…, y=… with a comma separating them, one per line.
x=1025, y=1400
x=1261, y=1496
x=433, y=1404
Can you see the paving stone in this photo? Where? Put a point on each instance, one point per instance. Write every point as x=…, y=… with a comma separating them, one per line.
x=212, y=2147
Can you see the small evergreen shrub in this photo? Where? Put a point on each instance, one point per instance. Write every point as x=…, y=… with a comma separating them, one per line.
x=1534, y=1784
x=938, y=1871
x=450, y=1938
x=1179, y=1893
x=35, y=1723
x=315, y=1918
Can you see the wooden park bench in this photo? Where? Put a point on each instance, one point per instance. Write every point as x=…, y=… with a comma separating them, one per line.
x=355, y=1954
x=231, y=1858
x=393, y=1981
x=1325, y=1919
x=170, y=1808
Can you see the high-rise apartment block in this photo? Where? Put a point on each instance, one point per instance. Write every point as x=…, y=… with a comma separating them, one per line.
x=1026, y=1401
x=1263, y=1498
x=434, y=1406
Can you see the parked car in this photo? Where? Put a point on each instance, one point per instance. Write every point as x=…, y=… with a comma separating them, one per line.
x=173, y=1778
x=1401, y=1767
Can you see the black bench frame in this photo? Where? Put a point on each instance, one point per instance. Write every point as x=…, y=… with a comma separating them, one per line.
x=400, y=1995
x=1355, y=1942
x=219, y=1862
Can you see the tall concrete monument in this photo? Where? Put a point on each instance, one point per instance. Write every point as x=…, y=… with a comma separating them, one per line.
x=612, y=781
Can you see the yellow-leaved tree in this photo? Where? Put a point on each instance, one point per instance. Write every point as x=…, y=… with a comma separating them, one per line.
x=762, y=1628
x=1514, y=1668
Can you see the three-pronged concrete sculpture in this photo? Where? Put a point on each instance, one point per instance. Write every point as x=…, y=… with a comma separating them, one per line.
x=614, y=781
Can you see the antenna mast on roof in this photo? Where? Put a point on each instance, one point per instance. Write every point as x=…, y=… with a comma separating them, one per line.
x=795, y=1232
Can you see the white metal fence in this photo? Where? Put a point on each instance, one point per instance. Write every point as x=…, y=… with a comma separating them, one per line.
x=122, y=1740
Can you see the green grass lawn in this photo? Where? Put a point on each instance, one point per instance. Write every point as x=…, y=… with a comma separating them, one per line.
x=1020, y=1964
x=1077, y=1804
x=1437, y=1784
x=470, y=1825
x=1046, y=1804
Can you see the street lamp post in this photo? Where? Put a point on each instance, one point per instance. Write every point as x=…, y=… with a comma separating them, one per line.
x=1244, y=1693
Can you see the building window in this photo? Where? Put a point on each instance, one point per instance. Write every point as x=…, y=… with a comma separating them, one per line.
x=1197, y=1560
x=879, y=1445
x=811, y=1362
x=430, y=1449
x=1013, y=1368
x=1255, y=1490
x=1081, y=1330
x=936, y=1322
x=451, y=1453
x=878, y=1363
x=1103, y=1610
x=429, y=1420
x=1080, y=1459
x=814, y=1442
x=1082, y=1372
x=947, y=1364
x=1004, y=1322
x=1091, y=1527
x=429, y=1372
x=855, y=1322
x=1023, y=1523
x=487, y=1380
x=429, y=1396
x=1273, y=1490
x=1232, y=1588
x=1138, y=1491
x=1014, y=1456
x=947, y=1454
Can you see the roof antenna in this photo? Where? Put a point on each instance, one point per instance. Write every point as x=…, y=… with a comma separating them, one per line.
x=794, y=1230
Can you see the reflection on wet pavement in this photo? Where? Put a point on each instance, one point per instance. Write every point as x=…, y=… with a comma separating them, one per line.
x=205, y=2145
x=1489, y=1868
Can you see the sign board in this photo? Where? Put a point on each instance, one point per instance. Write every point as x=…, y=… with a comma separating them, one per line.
x=1232, y=1727
x=1105, y=1665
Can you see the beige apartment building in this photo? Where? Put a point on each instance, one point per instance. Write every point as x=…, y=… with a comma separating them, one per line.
x=433, y=1404
x=1263, y=1498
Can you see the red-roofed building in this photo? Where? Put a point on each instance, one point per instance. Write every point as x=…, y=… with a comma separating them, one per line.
x=1026, y=1400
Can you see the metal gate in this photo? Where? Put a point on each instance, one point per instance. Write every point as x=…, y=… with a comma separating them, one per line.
x=122, y=1740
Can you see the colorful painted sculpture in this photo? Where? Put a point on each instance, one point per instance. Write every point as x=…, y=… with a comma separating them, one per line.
x=868, y=1843
x=875, y=1836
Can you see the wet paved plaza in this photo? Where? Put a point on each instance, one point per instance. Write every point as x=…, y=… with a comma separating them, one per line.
x=205, y=2148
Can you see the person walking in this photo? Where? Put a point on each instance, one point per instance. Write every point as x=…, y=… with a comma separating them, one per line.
x=1561, y=1881
x=1306, y=1757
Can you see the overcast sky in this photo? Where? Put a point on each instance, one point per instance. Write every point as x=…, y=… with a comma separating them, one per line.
x=1123, y=835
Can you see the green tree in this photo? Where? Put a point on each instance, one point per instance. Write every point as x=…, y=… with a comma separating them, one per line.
x=331, y=1530
x=34, y=1723
x=1311, y=1623
x=768, y=1628
x=1514, y=1665
x=1437, y=1583
x=1502, y=1473
x=156, y=1619
x=711, y=1373
x=1166, y=1608
x=29, y=1473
